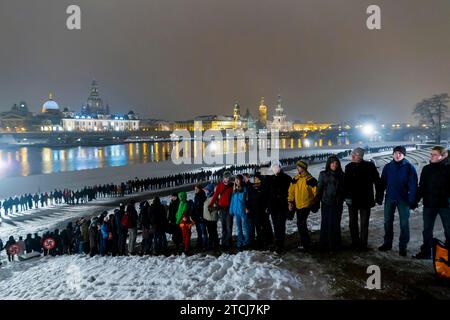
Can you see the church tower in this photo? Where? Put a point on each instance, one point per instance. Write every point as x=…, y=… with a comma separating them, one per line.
x=263, y=113
x=236, y=112
x=94, y=102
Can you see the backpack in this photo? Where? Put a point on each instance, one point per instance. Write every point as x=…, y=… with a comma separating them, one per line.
x=125, y=220
x=441, y=260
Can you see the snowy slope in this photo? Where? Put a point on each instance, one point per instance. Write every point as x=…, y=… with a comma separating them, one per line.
x=246, y=275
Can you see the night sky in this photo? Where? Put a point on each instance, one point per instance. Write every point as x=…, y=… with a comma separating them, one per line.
x=175, y=59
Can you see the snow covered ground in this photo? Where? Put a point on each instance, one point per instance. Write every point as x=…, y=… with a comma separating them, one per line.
x=246, y=275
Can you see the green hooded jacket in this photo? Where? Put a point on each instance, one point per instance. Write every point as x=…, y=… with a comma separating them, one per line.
x=182, y=207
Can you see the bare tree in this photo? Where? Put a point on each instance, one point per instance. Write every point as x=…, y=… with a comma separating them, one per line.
x=433, y=112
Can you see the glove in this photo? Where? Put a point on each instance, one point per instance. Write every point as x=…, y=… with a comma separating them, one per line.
x=348, y=201
x=413, y=205
x=379, y=201
x=315, y=207
x=291, y=206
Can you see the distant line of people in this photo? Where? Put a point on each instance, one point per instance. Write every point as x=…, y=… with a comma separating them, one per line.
x=86, y=194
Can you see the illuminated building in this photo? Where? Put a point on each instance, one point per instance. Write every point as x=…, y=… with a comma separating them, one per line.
x=279, y=122
x=262, y=113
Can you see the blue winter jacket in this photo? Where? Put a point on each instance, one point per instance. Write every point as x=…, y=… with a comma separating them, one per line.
x=400, y=181
x=104, y=231
x=237, y=203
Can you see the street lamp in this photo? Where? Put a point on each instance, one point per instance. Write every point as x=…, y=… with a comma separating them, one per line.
x=368, y=129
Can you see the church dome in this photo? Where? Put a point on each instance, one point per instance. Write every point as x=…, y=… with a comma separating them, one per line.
x=50, y=105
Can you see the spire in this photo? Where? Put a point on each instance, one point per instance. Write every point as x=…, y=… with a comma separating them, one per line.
x=236, y=112
x=94, y=88
x=279, y=109
x=262, y=101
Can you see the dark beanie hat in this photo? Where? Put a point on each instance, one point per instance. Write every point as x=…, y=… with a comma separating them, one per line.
x=401, y=149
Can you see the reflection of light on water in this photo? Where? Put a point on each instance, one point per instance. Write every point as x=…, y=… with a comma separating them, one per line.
x=24, y=164
x=307, y=143
x=47, y=163
x=144, y=149
x=157, y=151
x=119, y=157
x=131, y=151
x=137, y=147
x=47, y=160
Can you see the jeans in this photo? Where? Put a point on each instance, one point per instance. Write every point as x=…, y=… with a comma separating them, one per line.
x=243, y=232
x=202, y=240
x=359, y=239
x=227, y=226
x=80, y=247
x=302, y=217
x=122, y=242
x=279, y=226
x=213, y=239
x=429, y=217
x=389, y=211
x=147, y=244
x=132, y=240
x=160, y=241
x=103, y=245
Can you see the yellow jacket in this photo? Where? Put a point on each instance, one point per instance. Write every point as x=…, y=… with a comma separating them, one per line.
x=303, y=190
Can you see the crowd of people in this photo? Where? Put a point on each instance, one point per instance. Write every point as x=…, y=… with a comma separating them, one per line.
x=259, y=205
x=28, y=201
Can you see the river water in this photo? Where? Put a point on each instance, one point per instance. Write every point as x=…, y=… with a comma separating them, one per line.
x=29, y=160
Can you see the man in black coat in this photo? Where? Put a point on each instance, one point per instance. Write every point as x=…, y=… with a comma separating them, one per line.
x=434, y=188
x=276, y=191
x=173, y=228
x=360, y=178
x=257, y=216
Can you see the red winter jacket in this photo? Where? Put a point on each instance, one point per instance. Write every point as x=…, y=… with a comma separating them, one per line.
x=225, y=192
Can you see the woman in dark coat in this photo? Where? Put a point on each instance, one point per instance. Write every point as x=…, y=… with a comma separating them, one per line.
x=158, y=221
x=197, y=217
x=93, y=237
x=172, y=226
x=331, y=193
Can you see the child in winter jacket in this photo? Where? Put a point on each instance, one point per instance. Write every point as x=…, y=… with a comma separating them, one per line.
x=185, y=226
